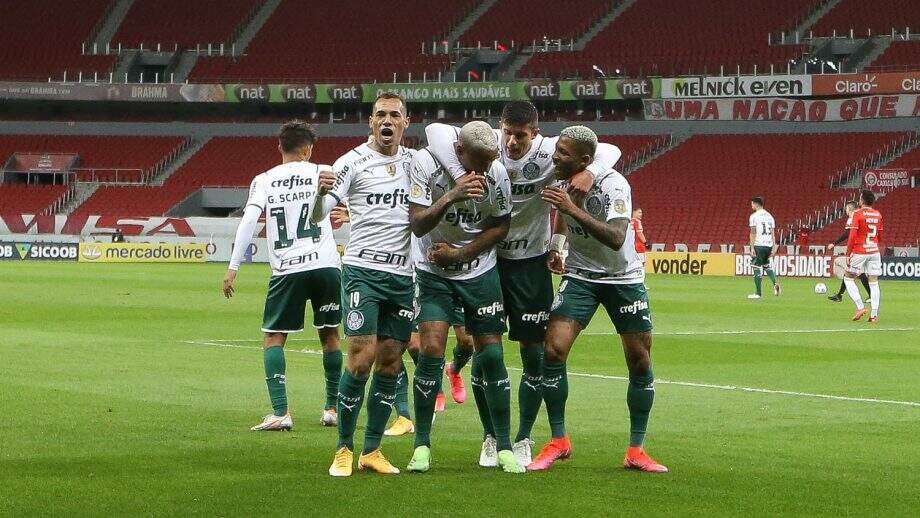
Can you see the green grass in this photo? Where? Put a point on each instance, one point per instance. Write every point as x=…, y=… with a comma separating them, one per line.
x=108, y=408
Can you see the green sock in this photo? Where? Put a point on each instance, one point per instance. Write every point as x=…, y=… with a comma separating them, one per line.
x=402, y=393
x=639, y=398
x=273, y=358
x=498, y=392
x=555, y=392
x=332, y=364
x=757, y=279
x=479, y=395
x=530, y=390
x=461, y=356
x=380, y=401
x=426, y=385
x=772, y=275
x=350, y=398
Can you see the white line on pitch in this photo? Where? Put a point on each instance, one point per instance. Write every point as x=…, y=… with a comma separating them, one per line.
x=624, y=378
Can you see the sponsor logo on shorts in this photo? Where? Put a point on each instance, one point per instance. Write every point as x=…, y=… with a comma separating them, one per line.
x=492, y=309
x=355, y=320
x=635, y=307
x=542, y=316
x=406, y=313
x=332, y=306
x=557, y=301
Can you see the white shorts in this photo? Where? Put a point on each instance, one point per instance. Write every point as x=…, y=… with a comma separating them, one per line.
x=870, y=264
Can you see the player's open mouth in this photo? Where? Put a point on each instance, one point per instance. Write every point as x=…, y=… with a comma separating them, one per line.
x=386, y=132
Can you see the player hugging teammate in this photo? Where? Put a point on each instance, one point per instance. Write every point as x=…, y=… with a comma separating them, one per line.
x=469, y=218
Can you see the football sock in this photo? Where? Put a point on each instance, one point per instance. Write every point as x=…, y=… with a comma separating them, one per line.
x=332, y=365
x=842, y=289
x=853, y=291
x=530, y=390
x=875, y=295
x=380, y=401
x=640, y=394
x=757, y=279
x=479, y=395
x=402, y=393
x=864, y=279
x=413, y=353
x=348, y=406
x=461, y=356
x=555, y=392
x=426, y=385
x=273, y=358
x=772, y=275
x=498, y=392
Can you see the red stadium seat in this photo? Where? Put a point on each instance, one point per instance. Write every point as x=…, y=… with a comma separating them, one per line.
x=181, y=22
x=878, y=15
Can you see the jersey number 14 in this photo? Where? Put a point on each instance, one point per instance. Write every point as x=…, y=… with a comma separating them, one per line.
x=305, y=227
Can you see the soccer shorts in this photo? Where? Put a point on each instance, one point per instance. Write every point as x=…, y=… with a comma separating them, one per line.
x=377, y=303
x=480, y=298
x=287, y=300
x=762, y=256
x=626, y=304
x=527, y=289
x=870, y=264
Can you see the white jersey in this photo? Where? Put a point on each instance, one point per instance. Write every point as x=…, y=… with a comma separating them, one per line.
x=286, y=193
x=463, y=221
x=530, y=230
x=375, y=188
x=763, y=224
x=591, y=260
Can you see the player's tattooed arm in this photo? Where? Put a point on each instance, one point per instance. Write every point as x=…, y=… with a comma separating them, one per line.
x=611, y=233
x=496, y=230
x=423, y=219
x=325, y=202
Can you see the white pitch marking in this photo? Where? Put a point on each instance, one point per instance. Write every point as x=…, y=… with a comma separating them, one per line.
x=765, y=331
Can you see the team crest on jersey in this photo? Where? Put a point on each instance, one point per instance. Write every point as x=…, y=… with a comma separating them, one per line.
x=531, y=170
x=416, y=190
x=391, y=169
x=619, y=206
x=594, y=206
x=355, y=320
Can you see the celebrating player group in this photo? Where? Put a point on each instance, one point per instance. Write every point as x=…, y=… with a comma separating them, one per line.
x=460, y=233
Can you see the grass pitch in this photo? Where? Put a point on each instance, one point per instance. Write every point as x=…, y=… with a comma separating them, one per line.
x=130, y=389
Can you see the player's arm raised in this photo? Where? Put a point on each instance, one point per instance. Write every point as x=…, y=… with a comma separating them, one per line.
x=611, y=233
x=605, y=157
x=325, y=199
x=441, y=138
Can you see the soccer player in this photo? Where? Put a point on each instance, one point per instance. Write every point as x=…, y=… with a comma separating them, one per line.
x=864, y=255
x=850, y=209
x=602, y=268
x=527, y=285
x=457, y=224
x=640, y=233
x=373, y=181
x=305, y=265
x=763, y=246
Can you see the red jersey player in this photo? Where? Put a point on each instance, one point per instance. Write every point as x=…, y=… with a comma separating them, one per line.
x=864, y=255
x=640, y=233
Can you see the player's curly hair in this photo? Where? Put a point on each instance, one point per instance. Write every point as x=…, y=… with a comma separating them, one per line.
x=583, y=136
x=296, y=133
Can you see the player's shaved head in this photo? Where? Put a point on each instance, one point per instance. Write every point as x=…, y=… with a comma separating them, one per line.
x=476, y=146
x=583, y=137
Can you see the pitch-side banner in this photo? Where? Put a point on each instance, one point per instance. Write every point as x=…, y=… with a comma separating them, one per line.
x=736, y=86
x=790, y=110
x=790, y=265
x=143, y=253
x=863, y=84
x=37, y=251
x=690, y=263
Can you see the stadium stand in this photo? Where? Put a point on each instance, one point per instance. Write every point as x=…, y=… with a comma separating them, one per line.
x=545, y=19
x=699, y=192
x=901, y=212
x=29, y=199
x=180, y=22
x=662, y=37
x=879, y=15
x=43, y=38
x=377, y=44
x=223, y=161
x=899, y=55
x=633, y=146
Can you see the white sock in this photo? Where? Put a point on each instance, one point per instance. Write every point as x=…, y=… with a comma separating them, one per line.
x=875, y=294
x=853, y=292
